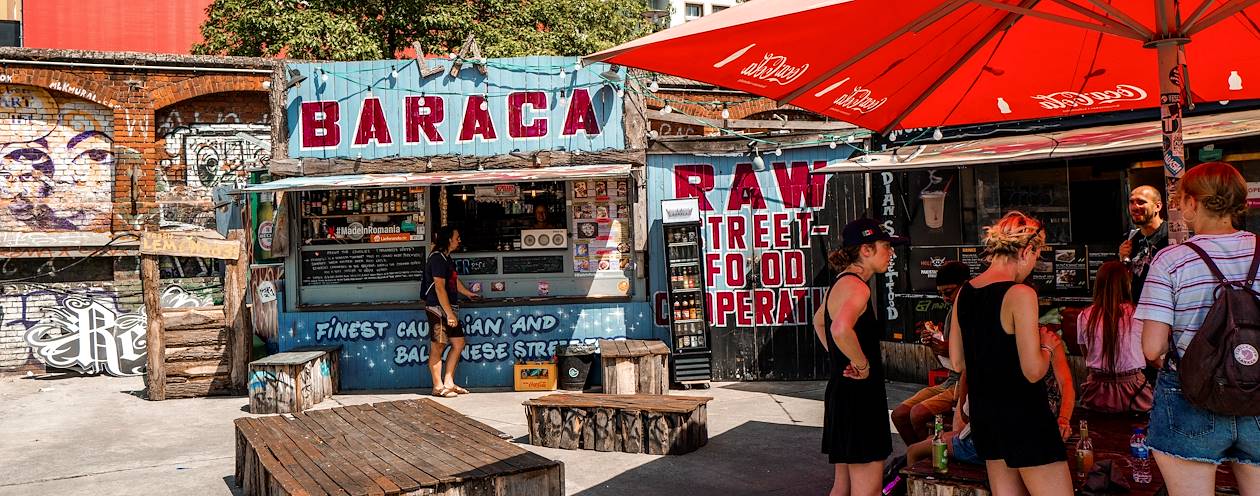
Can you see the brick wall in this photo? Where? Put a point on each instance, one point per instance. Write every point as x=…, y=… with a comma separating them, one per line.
x=94, y=152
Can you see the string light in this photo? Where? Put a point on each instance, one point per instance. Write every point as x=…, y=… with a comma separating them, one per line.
x=726, y=112
x=937, y=135
x=655, y=86
x=831, y=145
x=778, y=152
x=666, y=109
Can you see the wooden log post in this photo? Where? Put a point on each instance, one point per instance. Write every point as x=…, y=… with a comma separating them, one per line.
x=155, y=374
x=631, y=431
x=606, y=429
x=555, y=430
x=234, y=287
x=571, y=433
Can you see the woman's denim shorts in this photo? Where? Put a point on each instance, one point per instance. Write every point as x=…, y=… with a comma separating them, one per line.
x=1180, y=429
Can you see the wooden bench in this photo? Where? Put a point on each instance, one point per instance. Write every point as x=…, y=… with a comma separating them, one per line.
x=657, y=425
x=633, y=366
x=293, y=381
x=397, y=447
x=1110, y=435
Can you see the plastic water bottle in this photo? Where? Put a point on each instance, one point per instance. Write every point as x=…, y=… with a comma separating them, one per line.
x=1140, y=457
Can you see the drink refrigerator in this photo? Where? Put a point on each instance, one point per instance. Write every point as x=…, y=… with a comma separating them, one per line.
x=688, y=322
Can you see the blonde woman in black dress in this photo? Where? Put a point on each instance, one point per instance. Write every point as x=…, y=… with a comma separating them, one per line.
x=856, y=437
x=996, y=340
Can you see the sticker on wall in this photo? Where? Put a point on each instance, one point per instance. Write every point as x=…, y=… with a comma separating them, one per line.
x=544, y=288
x=579, y=189
x=498, y=286
x=621, y=189
x=601, y=190
x=624, y=287
x=265, y=231
x=266, y=292
x=474, y=287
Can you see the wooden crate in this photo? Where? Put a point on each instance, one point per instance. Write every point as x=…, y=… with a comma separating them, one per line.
x=633, y=366
x=397, y=447
x=292, y=381
x=652, y=424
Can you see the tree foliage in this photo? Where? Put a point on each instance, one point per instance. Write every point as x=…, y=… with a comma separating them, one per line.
x=376, y=29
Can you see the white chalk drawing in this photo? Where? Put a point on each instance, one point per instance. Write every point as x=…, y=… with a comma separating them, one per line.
x=85, y=334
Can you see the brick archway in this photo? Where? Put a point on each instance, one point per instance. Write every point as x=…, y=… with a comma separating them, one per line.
x=205, y=85
x=68, y=83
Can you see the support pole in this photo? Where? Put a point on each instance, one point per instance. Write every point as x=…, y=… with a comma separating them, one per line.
x=1171, y=76
x=155, y=374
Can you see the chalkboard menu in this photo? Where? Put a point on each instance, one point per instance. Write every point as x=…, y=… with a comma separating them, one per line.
x=1098, y=255
x=972, y=256
x=1070, y=269
x=366, y=265
x=533, y=265
x=475, y=266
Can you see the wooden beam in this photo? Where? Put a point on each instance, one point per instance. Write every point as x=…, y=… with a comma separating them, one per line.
x=340, y=166
x=234, y=288
x=185, y=245
x=155, y=375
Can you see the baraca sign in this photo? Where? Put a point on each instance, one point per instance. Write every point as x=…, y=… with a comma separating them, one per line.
x=382, y=109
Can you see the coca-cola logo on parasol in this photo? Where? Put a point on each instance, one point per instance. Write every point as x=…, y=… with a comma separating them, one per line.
x=858, y=99
x=1072, y=99
x=772, y=68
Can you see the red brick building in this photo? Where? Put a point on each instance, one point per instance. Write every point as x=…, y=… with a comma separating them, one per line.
x=98, y=146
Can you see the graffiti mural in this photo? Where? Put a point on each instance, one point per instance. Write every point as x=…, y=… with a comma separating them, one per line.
x=89, y=335
x=390, y=349
x=200, y=157
x=178, y=297
x=57, y=161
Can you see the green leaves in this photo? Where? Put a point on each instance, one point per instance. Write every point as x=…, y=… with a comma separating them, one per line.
x=376, y=29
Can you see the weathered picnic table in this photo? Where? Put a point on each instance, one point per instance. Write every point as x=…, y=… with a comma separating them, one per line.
x=1110, y=435
x=398, y=447
x=633, y=423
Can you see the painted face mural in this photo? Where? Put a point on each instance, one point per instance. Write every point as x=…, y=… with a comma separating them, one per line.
x=56, y=163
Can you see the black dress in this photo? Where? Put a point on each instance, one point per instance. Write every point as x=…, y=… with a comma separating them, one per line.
x=1011, y=418
x=855, y=412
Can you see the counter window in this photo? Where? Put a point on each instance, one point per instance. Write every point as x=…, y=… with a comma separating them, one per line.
x=491, y=217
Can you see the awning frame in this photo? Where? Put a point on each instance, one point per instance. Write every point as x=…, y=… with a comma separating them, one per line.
x=439, y=178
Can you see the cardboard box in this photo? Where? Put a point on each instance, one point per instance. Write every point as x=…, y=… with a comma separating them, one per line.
x=534, y=376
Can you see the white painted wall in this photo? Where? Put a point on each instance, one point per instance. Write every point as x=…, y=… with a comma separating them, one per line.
x=678, y=12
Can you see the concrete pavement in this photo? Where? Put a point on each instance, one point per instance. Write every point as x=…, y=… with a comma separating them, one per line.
x=74, y=435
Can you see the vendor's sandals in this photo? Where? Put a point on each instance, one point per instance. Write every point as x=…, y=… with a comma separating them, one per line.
x=458, y=390
x=444, y=393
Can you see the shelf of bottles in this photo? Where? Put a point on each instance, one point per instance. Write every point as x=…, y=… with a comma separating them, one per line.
x=341, y=216
x=686, y=287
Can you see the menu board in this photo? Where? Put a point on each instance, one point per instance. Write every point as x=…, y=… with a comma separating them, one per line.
x=1042, y=277
x=474, y=266
x=541, y=264
x=924, y=262
x=1098, y=255
x=601, y=225
x=1070, y=269
x=364, y=265
x=972, y=256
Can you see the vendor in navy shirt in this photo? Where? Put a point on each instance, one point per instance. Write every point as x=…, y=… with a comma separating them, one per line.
x=441, y=289
x=1149, y=236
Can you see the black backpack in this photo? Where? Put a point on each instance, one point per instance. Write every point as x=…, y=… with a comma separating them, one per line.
x=1220, y=371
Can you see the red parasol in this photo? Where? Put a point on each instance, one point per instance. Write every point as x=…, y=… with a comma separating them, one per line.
x=890, y=64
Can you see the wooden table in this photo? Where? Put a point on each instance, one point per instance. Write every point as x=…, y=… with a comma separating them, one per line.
x=1110, y=435
x=397, y=447
x=639, y=423
x=634, y=366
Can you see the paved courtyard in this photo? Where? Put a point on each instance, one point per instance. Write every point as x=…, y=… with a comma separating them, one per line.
x=78, y=435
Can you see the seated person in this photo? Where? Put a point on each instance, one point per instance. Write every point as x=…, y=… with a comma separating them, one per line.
x=958, y=441
x=912, y=416
x=1112, y=340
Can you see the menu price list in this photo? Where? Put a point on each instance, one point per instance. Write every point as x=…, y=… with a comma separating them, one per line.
x=323, y=267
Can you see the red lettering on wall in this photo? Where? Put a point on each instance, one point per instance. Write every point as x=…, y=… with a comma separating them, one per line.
x=771, y=269
x=424, y=113
x=521, y=122
x=787, y=303
x=794, y=268
x=806, y=220
x=735, y=232
x=734, y=270
x=723, y=305
x=799, y=186
x=372, y=125
x=319, y=125
x=743, y=309
x=581, y=115
x=694, y=181
x=477, y=121
x=745, y=189
x=712, y=267
x=715, y=232
x=761, y=231
x=764, y=306
x=782, y=230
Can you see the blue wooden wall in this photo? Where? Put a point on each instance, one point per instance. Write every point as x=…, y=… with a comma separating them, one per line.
x=348, y=83
x=389, y=349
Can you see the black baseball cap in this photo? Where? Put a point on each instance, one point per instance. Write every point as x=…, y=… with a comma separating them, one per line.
x=863, y=231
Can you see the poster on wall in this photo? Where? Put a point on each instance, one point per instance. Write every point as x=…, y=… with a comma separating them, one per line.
x=1070, y=269
x=601, y=225
x=924, y=262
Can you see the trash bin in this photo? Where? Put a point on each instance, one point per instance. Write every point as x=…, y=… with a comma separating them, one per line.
x=574, y=364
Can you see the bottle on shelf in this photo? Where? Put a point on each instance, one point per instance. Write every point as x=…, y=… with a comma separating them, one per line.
x=1084, y=451
x=1140, y=457
x=940, y=456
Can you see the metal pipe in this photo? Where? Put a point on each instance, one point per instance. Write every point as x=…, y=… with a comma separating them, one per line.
x=121, y=66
